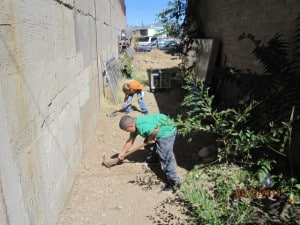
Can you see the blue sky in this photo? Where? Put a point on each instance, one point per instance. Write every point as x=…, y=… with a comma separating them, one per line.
x=143, y=11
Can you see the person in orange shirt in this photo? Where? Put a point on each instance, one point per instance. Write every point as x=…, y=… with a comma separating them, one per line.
x=130, y=89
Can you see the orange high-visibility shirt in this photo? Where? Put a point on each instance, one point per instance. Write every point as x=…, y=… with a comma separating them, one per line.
x=135, y=86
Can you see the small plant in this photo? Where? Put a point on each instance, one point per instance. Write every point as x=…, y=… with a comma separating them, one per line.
x=290, y=188
x=126, y=65
x=212, y=190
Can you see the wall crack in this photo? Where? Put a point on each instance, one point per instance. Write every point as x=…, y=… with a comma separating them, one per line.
x=64, y=4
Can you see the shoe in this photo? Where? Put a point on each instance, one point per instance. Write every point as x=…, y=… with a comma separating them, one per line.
x=151, y=163
x=167, y=189
x=171, y=187
x=152, y=159
x=176, y=186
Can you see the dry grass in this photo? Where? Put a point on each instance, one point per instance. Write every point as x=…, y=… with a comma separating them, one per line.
x=155, y=59
x=108, y=102
x=142, y=63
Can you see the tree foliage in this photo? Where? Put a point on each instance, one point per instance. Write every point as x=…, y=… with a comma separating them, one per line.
x=172, y=17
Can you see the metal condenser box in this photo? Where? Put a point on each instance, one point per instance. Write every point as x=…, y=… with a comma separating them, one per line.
x=159, y=80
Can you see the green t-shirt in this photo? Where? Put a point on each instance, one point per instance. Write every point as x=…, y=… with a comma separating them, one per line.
x=146, y=124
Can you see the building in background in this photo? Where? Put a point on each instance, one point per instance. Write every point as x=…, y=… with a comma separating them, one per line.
x=150, y=30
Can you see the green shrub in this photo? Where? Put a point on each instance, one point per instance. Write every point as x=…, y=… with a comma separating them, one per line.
x=233, y=134
x=236, y=140
x=126, y=66
x=212, y=191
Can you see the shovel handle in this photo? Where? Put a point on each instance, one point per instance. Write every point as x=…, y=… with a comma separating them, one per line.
x=116, y=111
x=132, y=101
x=135, y=149
x=113, y=162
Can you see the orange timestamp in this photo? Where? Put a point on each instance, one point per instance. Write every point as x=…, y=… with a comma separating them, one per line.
x=257, y=193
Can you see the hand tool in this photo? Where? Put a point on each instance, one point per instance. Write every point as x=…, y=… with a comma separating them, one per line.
x=116, y=111
x=115, y=161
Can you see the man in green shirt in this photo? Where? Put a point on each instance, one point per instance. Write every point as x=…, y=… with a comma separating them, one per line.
x=159, y=134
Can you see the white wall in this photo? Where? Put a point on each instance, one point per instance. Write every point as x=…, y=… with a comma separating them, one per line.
x=50, y=96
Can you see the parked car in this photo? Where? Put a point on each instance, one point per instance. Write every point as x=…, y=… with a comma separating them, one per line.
x=163, y=42
x=171, y=47
x=145, y=40
x=146, y=48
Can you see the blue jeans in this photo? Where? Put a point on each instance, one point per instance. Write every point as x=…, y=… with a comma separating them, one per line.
x=141, y=103
x=164, y=148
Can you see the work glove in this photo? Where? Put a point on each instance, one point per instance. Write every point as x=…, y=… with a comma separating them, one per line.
x=124, y=105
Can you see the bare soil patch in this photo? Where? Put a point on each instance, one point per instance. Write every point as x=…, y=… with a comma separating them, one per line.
x=129, y=193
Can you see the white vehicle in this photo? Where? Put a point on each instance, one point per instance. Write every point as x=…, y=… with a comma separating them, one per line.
x=145, y=40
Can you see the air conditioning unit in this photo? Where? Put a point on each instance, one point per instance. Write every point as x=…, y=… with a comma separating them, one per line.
x=159, y=80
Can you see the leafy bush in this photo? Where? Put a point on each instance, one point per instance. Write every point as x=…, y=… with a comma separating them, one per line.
x=233, y=135
x=126, y=65
x=236, y=142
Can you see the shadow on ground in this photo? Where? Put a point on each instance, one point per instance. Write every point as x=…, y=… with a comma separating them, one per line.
x=169, y=102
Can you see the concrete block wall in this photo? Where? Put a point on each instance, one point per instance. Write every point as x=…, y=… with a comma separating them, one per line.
x=226, y=20
x=51, y=56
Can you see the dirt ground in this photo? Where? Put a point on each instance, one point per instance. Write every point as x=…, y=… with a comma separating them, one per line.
x=129, y=193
